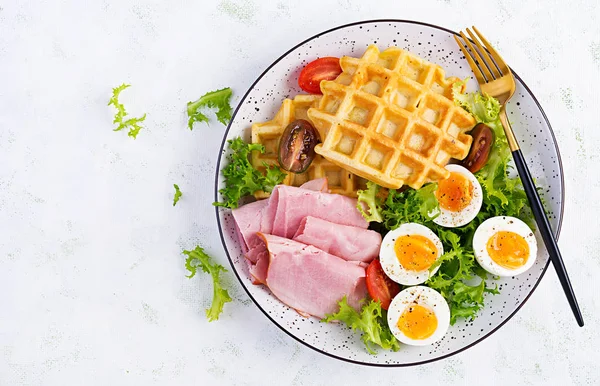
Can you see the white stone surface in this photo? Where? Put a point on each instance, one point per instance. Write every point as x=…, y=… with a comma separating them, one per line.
x=92, y=284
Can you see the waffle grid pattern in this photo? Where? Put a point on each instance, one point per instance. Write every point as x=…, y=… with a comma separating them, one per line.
x=390, y=118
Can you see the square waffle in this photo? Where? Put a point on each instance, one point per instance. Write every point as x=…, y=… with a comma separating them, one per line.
x=389, y=117
x=268, y=134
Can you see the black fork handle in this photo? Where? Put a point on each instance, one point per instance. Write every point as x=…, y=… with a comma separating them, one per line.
x=544, y=227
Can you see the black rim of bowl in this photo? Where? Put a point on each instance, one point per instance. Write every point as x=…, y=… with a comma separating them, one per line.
x=241, y=280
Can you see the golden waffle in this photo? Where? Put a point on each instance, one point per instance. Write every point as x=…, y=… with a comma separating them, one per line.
x=268, y=134
x=390, y=118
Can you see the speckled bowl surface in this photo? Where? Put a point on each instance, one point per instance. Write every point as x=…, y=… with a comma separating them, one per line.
x=435, y=44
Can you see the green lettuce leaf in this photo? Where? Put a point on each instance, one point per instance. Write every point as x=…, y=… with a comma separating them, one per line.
x=198, y=258
x=133, y=124
x=458, y=265
x=218, y=99
x=369, y=198
x=178, y=194
x=410, y=206
x=484, y=108
x=241, y=178
x=114, y=100
x=371, y=321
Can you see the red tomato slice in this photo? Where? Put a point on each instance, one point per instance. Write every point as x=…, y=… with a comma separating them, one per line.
x=327, y=68
x=381, y=287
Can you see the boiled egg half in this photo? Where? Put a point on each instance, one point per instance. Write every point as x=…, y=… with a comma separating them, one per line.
x=408, y=252
x=418, y=316
x=460, y=197
x=505, y=246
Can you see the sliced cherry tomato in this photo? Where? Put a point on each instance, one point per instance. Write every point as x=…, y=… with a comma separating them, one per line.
x=327, y=68
x=483, y=139
x=381, y=287
x=297, y=146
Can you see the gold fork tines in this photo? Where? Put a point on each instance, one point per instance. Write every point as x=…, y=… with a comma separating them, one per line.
x=492, y=73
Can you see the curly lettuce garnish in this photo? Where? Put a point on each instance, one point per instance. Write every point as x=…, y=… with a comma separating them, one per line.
x=218, y=99
x=371, y=321
x=484, y=108
x=133, y=124
x=368, y=198
x=457, y=266
x=177, y=195
x=114, y=100
x=241, y=178
x=198, y=258
x=410, y=206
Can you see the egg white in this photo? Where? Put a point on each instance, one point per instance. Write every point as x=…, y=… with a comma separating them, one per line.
x=390, y=263
x=451, y=219
x=502, y=223
x=423, y=296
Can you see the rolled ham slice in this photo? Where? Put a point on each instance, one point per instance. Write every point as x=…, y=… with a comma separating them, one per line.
x=293, y=204
x=258, y=216
x=310, y=280
x=258, y=270
x=347, y=242
x=249, y=220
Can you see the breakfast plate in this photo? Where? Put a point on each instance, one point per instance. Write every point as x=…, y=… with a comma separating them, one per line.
x=437, y=45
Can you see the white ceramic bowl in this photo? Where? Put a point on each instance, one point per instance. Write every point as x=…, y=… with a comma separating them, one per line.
x=435, y=44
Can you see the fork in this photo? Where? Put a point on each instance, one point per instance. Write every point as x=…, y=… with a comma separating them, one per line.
x=496, y=79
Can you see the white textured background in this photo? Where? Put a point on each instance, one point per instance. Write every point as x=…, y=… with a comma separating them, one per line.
x=92, y=284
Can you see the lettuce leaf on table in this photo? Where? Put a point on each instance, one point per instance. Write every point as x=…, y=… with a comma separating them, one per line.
x=218, y=100
x=133, y=124
x=177, y=195
x=198, y=258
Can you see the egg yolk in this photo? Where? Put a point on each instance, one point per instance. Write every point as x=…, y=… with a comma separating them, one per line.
x=455, y=192
x=417, y=322
x=508, y=249
x=415, y=252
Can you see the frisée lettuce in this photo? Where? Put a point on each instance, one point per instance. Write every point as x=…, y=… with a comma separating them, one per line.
x=133, y=124
x=177, y=195
x=371, y=321
x=198, y=258
x=369, y=204
x=218, y=100
x=241, y=178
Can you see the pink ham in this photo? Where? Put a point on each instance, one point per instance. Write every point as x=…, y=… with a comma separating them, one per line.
x=255, y=252
x=282, y=214
x=249, y=220
x=258, y=271
x=293, y=204
x=318, y=185
x=349, y=243
x=310, y=280
x=258, y=216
